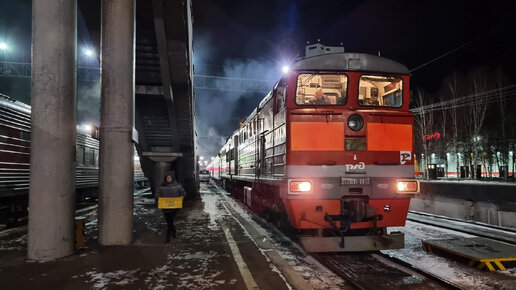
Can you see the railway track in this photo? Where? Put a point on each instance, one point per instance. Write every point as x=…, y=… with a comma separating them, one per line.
x=502, y=234
x=378, y=271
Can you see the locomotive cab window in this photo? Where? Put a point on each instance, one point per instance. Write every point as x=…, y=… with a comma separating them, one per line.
x=321, y=89
x=380, y=91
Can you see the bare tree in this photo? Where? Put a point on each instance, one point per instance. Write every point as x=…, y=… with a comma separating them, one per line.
x=501, y=98
x=451, y=83
x=424, y=123
x=443, y=139
x=475, y=115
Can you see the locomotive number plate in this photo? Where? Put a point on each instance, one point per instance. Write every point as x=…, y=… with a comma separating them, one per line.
x=355, y=181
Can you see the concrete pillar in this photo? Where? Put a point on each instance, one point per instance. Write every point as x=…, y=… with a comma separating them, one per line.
x=52, y=172
x=160, y=170
x=116, y=122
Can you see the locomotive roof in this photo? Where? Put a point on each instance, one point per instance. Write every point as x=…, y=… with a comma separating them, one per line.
x=350, y=61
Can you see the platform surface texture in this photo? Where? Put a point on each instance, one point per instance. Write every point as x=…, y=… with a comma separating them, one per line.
x=479, y=250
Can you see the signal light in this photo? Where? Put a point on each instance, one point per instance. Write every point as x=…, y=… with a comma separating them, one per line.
x=355, y=122
x=404, y=186
x=300, y=186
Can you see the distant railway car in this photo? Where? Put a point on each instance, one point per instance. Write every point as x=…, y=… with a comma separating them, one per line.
x=15, y=130
x=331, y=148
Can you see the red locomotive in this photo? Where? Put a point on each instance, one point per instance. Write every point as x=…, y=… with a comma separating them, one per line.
x=330, y=146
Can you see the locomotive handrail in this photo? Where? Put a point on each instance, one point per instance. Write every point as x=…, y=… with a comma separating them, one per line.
x=317, y=113
x=397, y=114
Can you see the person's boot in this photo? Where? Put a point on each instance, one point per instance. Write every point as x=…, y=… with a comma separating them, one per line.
x=168, y=236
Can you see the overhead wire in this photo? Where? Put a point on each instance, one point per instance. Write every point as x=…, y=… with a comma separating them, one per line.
x=507, y=93
x=455, y=49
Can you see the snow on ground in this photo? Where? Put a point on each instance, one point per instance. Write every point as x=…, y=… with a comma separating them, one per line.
x=212, y=206
x=15, y=240
x=458, y=272
x=310, y=269
x=102, y=280
x=193, y=272
x=196, y=261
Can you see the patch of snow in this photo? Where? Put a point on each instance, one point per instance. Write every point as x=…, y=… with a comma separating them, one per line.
x=119, y=278
x=457, y=272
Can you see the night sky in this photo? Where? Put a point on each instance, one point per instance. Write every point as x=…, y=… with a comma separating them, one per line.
x=254, y=38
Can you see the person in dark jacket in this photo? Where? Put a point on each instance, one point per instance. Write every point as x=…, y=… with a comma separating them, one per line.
x=170, y=188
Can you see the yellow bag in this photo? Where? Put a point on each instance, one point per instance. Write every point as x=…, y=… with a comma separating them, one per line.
x=170, y=202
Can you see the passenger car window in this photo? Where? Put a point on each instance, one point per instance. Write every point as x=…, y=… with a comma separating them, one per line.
x=321, y=89
x=380, y=91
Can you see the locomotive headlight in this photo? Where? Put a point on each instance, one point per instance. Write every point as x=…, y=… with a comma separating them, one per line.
x=300, y=186
x=407, y=186
x=355, y=122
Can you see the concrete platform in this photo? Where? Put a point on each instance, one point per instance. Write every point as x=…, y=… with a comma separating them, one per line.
x=213, y=250
x=480, y=252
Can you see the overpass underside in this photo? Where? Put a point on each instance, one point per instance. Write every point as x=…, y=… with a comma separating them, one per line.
x=164, y=98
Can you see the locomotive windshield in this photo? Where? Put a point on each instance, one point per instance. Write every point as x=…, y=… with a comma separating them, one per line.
x=322, y=89
x=380, y=91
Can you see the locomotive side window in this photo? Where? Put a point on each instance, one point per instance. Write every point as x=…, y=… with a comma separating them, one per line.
x=380, y=91
x=321, y=89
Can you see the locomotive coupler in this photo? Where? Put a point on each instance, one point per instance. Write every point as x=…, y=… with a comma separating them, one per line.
x=344, y=225
x=374, y=219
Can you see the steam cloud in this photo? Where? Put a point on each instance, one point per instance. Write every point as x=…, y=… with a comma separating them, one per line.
x=219, y=111
x=88, y=103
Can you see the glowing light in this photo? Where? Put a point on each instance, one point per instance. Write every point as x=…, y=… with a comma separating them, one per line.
x=3, y=46
x=87, y=127
x=300, y=186
x=201, y=157
x=305, y=186
x=407, y=186
x=212, y=158
x=285, y=69
x=89, y=52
